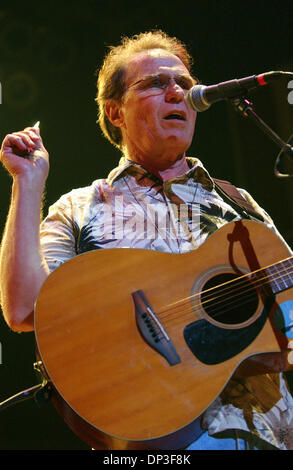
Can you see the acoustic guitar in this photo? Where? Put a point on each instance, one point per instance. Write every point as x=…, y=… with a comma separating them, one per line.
x=137, y=344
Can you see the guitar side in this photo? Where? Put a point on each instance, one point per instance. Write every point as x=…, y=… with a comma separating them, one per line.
x=114, y=388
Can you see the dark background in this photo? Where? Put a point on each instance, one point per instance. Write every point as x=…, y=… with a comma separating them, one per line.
x=49, y=52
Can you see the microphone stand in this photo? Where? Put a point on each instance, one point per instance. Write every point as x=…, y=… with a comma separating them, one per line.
x=245, y=107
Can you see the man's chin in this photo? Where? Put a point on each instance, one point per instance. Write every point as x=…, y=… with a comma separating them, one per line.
x=177, y=143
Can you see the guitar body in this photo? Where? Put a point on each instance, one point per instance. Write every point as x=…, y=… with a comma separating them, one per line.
x=110, y=383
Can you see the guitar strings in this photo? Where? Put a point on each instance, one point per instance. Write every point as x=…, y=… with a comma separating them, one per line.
x=228, y=306
x=224, y=307
x=237, y=280
x=216, y=314
x=238, y=294
x=224, y=287
x=252, y=286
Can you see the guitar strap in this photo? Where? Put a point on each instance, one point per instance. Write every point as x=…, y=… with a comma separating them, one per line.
x=233, y=197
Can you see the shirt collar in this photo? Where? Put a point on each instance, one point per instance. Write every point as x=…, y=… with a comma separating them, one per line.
x=196, y=170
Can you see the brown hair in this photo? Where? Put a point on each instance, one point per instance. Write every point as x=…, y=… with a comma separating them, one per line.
x=111, y=76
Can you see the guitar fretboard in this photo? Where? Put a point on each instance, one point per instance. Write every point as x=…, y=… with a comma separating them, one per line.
x=280, y=275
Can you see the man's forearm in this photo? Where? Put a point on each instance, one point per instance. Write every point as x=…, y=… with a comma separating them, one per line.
x=22, y=266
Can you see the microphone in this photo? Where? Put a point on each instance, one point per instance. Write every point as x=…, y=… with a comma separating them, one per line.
x=201, y=97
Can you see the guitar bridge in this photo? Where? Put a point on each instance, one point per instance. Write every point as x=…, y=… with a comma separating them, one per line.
x=152, y=329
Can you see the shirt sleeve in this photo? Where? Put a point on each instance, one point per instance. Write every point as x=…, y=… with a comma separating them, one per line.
x=57, y=233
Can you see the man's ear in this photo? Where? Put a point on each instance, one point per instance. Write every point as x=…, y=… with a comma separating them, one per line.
x=114, y=113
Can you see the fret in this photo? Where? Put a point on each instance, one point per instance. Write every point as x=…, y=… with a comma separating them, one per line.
x=288, y=271
x=280, y=275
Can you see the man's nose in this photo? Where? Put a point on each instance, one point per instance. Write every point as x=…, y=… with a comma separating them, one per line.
x=174, y=93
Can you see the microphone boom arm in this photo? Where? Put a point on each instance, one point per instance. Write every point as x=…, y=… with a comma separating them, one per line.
x=245, y=107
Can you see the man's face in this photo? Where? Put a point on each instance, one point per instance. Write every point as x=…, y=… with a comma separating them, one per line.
x=156, y=121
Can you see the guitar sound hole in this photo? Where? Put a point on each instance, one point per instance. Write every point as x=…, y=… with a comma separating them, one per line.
x=230, y=304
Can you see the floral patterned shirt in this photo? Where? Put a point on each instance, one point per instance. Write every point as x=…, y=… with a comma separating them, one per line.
x=132, y=208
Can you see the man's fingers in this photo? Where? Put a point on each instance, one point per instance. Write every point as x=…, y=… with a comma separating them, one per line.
x=23, y=143
x=33, y=130
x=21, y=140
x=14, y=140
x=30, y=131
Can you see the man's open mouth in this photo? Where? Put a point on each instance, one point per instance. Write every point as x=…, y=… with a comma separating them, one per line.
x=177, y=116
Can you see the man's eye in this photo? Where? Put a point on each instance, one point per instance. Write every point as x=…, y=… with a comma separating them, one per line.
x=184, y=84
x=157, y=83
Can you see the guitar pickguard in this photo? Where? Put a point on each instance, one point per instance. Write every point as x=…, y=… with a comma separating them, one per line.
x=212, y=345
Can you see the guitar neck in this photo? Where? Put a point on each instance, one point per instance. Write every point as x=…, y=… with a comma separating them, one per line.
x=280, y=275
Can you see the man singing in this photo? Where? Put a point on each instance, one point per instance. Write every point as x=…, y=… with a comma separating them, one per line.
x=142, y=89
